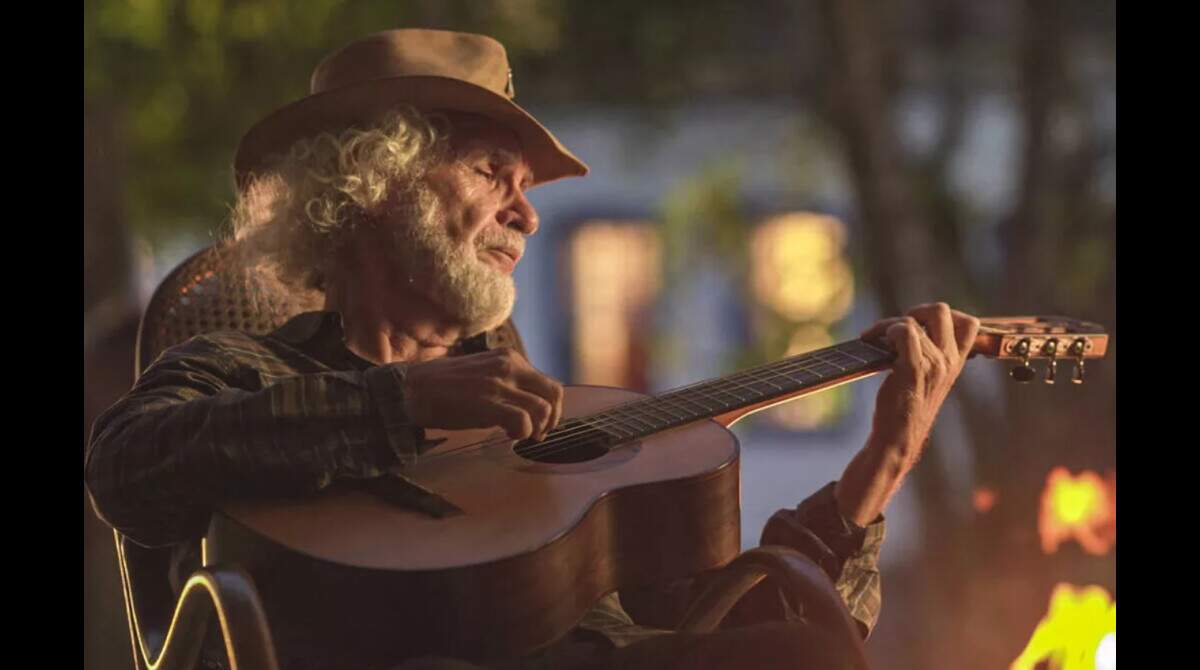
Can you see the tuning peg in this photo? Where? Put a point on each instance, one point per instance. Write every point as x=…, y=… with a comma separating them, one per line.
x=1076, y=350
x=1023, y=373
x=1051, y=350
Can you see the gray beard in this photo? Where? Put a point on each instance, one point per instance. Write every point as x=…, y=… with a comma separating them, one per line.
x=472, y=293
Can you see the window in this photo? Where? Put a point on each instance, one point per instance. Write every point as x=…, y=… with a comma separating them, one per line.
x=615, y=272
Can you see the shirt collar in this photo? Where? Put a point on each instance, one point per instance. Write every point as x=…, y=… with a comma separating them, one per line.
x=322, y=336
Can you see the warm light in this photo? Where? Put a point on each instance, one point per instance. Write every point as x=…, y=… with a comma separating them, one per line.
x=1079, y=632
x=797, y=268
x=1082, y=508
x=615, y=274
x=984, y=499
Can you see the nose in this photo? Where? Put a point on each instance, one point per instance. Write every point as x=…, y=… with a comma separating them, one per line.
x=519, y=214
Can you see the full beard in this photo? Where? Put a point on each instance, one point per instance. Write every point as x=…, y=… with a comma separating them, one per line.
x=470, y=292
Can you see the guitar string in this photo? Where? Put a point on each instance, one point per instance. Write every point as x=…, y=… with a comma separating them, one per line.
x=594, y=428
x=778, y=369
x=624, y=417
x=538, y=452
x=600, y=424
x=643, y=412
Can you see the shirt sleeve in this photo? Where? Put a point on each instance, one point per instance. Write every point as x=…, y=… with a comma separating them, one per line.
x=848, y=553
x=200, y=426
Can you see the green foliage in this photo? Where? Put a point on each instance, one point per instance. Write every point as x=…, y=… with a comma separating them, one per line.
x=702, y=220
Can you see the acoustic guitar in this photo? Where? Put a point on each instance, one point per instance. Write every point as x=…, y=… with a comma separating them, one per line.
x=489, y=548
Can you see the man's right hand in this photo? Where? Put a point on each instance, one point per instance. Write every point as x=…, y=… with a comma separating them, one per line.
x=493, y=388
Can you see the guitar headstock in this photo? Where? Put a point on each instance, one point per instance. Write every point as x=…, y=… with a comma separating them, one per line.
x=1049, y=338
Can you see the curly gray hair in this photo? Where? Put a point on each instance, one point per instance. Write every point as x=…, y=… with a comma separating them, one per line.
x=289, y=220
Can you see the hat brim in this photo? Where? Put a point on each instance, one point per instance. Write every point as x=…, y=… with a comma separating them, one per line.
x=367, y=101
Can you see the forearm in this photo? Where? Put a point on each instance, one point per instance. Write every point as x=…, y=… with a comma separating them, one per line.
x=870, y=479
x=184, y=440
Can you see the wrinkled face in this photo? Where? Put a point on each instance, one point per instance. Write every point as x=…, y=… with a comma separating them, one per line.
x=465, y=227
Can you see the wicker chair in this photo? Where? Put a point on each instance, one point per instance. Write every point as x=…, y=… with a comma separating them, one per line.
x=204, y=294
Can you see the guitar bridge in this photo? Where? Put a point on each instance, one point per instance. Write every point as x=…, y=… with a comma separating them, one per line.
x=396, y=489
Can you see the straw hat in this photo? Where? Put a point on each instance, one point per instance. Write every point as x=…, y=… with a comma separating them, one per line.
x=428, y=69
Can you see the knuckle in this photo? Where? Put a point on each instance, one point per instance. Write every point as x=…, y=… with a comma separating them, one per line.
x=510, y=354
x=504, y=366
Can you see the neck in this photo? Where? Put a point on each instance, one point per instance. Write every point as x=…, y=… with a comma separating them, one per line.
x=385, y=317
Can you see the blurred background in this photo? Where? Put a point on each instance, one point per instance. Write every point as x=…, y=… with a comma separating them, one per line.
x=767, y=179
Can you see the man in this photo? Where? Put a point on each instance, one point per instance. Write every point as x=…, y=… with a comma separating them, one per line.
x=395, y=193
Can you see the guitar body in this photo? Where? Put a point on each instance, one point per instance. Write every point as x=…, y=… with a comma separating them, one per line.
x=531, y=548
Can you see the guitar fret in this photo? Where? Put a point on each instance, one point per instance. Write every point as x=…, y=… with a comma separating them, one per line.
x=735, y=381
x=823, y=359
x=763, y=387
x=656, y=405
x=721, y=404
x=776, y=372
x=648, y=407
x=609, y=426
x=632, y=416
x=856, y=358
x=716, y=387
x=681, y=395
x=800, y=372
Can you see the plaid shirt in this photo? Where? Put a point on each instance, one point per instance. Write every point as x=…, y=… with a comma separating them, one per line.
x=228, y=415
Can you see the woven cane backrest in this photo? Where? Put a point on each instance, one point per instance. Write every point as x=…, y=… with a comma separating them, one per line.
x=206, y=293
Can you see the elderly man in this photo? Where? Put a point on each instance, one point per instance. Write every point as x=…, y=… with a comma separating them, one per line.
x=396, y=195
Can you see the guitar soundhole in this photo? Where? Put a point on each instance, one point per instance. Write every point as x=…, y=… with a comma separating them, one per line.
x=566, y=444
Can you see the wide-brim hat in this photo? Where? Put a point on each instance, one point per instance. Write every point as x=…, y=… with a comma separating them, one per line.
x=427, y=69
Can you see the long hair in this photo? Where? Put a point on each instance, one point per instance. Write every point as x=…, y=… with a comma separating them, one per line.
x=289, y=219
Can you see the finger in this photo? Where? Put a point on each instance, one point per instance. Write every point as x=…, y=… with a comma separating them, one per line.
x=539, y=410
x=936, y=319
x=966, y=329
x=904, y=337
x=880, y=327
x=514, y=421
x=533, y=381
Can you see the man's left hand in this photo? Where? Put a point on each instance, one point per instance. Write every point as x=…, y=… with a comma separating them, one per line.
x=932, y=343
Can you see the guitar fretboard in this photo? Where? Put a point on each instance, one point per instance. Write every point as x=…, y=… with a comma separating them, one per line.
x=714, y=397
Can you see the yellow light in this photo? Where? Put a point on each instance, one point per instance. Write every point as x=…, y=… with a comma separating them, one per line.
x=797, y=268
x=1081, y=508
x=1079, y=631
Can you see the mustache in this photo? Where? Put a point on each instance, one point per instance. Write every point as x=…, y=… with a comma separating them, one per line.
x=491, y=240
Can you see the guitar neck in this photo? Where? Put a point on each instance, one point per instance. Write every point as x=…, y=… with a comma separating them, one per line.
x=734, y=396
